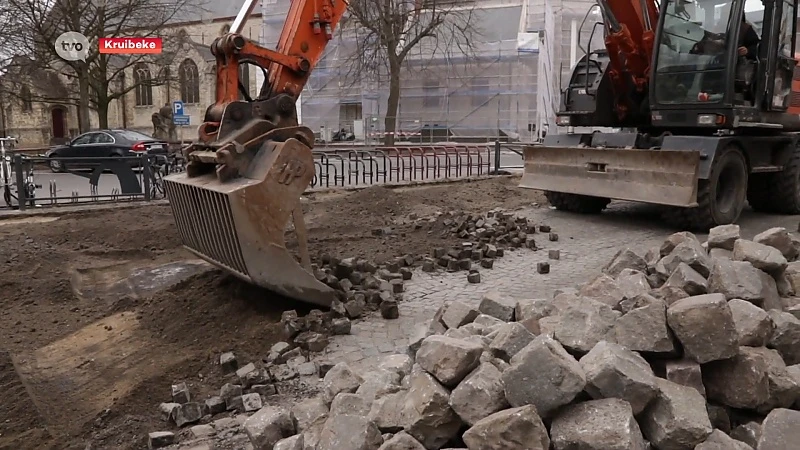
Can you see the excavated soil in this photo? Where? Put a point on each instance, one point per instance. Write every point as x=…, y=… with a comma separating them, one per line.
x=345, y=225
x=60, y=292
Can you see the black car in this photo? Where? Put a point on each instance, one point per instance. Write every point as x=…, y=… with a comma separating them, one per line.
x=105, y=143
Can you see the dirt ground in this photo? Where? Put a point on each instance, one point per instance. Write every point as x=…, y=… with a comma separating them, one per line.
x=86, y=358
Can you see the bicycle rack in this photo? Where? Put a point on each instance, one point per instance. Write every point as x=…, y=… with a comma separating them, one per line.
x=53, y=192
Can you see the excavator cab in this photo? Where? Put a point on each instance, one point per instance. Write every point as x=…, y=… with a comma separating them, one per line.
x=722, y=63
x=252, y=161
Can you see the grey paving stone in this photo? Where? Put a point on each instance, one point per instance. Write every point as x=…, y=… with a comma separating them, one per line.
x=603, y=235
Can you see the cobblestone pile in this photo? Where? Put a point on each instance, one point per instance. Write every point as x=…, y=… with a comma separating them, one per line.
x=251, y=388
x=361, y=286
x=688, y=346
x=486, y=237
x=364, y=286
x=691, y=345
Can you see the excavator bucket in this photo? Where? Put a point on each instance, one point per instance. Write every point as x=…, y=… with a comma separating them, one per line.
x=239, y=224
x=665, y=177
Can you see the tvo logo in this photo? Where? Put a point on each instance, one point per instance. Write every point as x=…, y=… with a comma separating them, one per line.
x=72, y=46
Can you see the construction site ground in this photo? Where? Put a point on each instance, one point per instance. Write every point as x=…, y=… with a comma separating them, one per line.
x=102, y=311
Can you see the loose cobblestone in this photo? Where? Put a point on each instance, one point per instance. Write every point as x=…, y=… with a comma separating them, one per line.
x=585, y=245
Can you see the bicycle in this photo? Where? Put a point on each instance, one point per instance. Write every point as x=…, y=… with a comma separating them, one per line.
x=159, y=166
x=162, y=166
x=6, y=176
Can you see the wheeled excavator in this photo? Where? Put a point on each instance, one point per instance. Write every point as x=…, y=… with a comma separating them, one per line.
x=252, y=161
x=705, y=117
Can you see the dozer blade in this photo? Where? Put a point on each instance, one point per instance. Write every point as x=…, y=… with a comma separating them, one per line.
x=238, y=225
x=665, y=177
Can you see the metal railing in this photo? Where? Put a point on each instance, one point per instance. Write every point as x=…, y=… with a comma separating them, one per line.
x=146, y=185
x=513, y=148
x=400, y=164
x=334, y=168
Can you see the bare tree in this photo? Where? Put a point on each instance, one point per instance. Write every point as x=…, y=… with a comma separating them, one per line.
x=99, y=79
x=10, y=25
x=385, y=31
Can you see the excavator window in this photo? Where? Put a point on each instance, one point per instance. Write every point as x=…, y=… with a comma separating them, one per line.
x=786, y=39
x=689, y=24
x=754, y=13
x=782, y=80
x=692, y=55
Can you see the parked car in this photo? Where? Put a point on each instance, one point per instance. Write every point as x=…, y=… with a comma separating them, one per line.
x=105, y=143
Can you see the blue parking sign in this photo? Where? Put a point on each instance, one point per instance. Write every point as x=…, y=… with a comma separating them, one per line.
x=177, y=108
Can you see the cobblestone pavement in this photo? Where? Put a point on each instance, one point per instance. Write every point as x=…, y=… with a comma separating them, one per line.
x=586, y=244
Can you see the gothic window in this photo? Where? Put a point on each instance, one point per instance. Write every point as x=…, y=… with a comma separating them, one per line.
x=144, y=85
x=27, y=101
x=190, y=82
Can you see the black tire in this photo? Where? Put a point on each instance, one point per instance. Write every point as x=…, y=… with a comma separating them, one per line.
x=157, y=185
x=720, y=198
x=777, y=193
x=56, y=166
x=576, y=203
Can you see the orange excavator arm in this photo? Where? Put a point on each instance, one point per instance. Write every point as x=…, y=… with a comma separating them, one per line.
x=252, y=160
x=629, y=39
x=308, y=27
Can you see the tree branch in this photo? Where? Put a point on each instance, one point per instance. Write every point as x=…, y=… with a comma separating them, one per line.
x=379, y=35
x=32, y=27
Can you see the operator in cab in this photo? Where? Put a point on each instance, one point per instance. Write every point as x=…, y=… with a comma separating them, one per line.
x=748, y=42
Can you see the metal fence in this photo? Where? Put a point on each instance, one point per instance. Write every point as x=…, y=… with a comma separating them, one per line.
x=400, y=164
x=139, y=178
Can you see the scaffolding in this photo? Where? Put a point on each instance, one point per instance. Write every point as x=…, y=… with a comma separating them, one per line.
x=491, y=93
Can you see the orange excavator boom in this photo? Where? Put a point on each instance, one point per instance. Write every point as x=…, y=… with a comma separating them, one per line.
x=630, y=38
x=252, y=160
x=308, y=27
